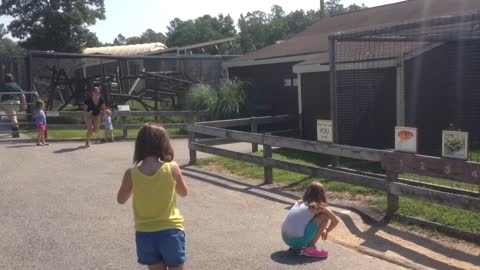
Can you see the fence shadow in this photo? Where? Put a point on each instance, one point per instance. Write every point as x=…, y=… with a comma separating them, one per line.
x=371, y=238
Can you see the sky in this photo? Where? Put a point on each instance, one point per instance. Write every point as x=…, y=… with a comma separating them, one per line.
x=131, y=18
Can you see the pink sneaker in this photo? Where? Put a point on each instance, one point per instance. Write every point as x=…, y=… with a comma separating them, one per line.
x=314, y=252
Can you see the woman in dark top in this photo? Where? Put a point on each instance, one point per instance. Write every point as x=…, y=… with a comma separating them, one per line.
x=93, y=108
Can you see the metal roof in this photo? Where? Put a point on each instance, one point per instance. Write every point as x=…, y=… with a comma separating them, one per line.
x=126, y=50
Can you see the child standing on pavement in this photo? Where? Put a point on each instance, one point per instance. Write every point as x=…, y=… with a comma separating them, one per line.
x=154, y=182
x=40, y=122
x=307, y=221
x=108, y=126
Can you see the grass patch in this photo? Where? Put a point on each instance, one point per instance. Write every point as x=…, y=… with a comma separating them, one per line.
x=79, y=134
x=461, y=219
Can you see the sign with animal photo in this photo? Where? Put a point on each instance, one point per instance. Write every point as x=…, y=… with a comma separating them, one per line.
x=455, y=144
x=325, y=131
x=406, y=139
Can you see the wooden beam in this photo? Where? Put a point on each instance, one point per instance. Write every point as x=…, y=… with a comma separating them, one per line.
x=224, y=133
x=448, y=199
x=326, y=148
x=458, y=170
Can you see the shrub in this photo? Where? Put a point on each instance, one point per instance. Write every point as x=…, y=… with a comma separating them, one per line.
x=201, y=97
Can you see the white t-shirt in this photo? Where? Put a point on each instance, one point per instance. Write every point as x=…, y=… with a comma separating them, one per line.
x=297, y=220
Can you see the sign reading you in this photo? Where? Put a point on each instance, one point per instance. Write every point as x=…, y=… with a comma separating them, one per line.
x=325, y=131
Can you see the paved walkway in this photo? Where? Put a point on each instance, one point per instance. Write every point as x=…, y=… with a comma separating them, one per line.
x=58, y=210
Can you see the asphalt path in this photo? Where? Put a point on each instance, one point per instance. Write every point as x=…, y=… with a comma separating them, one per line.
x=58, y=210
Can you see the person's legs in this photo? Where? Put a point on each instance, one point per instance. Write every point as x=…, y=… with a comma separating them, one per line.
x=322, y=221
x=39, y=137
x=96, y=123
x=159, y=266
x=89, y=126
x=11, y=107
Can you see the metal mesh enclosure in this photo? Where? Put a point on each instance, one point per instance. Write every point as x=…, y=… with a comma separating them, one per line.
x=422, y=74
x=155, y=82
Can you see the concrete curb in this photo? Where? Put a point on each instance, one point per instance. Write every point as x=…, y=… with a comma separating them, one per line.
x=383, y=256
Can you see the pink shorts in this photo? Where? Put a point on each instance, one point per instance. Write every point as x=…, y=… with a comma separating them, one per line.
x=42, y=127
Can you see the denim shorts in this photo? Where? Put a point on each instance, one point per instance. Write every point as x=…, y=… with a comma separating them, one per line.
x=167, y=247
x=301, y=242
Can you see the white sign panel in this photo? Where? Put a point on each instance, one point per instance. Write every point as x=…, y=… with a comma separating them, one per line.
x=123, y=108
x=406, y=139
x=287, y=82
x=52, y=114
x=455, y=144
x=325, y=131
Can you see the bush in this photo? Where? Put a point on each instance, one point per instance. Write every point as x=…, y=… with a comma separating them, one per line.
x=228, y=102
x=201, y=97
x=231, y=99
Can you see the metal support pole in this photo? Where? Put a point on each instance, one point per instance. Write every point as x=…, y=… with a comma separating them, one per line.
x=333, y=88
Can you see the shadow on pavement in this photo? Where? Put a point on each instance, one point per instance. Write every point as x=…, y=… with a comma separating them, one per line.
x=68, y=150
x=22, y=146
x=371, y=238
x=288, y=258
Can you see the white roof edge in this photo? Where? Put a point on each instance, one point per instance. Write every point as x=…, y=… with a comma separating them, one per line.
x=277, y=60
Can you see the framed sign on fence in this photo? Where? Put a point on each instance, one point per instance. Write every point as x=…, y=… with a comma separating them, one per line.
x=455, y=144
x=406, y=139
x=325, y=131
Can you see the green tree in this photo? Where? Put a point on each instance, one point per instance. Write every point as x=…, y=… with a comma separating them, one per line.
x=120, y=40
x=333, y=7
x=202, y=29
x=8, y=46
x=59, y=25
x=149, y=36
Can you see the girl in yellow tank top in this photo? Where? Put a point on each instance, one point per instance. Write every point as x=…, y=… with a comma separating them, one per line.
x=153, y=183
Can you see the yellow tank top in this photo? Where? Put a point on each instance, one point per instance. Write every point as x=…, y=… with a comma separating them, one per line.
x=154, y=201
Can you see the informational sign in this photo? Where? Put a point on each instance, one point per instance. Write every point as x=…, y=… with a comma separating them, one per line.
x=406, y=139
x=52, y=114
x=287, y=82
x=295, y=82
x=455, y=144
x=123, y=108
x=325, y=131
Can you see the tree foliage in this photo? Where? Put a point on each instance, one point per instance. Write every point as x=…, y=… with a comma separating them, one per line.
x=201, y=29
x=59, y=25
x=8, y=46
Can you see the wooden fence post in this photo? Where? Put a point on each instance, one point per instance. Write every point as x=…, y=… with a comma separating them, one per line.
x=123, y=123
x=392, y=200
x=193, y=153
x=254, y=129
x=267, y=169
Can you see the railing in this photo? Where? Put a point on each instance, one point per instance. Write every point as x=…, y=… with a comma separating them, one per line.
x=189, y=116
x=394, y=164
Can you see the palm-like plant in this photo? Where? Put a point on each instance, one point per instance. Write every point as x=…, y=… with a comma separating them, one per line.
x=228, y=102
x=231, y=99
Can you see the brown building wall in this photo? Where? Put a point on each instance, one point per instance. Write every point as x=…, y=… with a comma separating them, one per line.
x=442, y=88
x=315, y=101
x=266, y=92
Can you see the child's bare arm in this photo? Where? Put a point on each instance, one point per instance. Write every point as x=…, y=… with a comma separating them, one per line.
x=125, y=190
x=181, y=187
x=333, y=221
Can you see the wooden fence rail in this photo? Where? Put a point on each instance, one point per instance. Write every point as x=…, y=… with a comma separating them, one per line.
x=394, y=164
x=124, y=115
